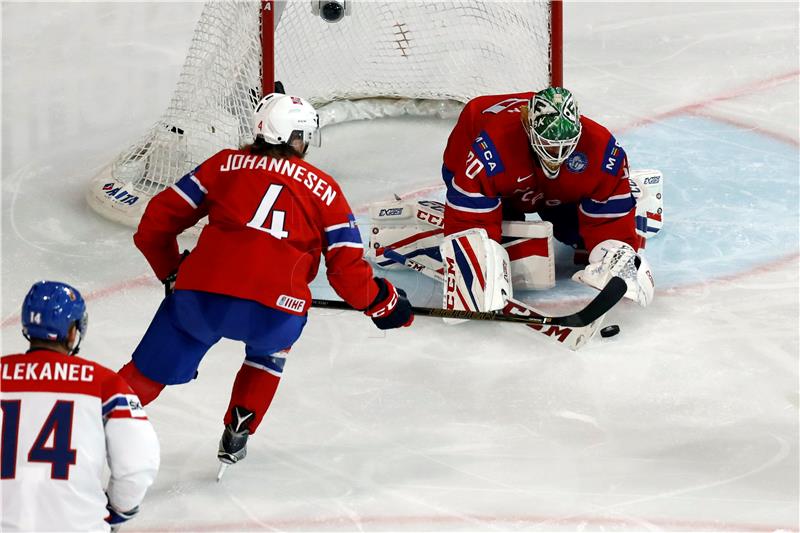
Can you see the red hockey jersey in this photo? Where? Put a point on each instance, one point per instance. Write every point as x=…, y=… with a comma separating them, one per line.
x=269, y=220
x=63, y=418
x=488, y=161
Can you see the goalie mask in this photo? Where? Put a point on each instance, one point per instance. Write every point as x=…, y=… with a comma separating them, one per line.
x=554, y=127
x=283, y=119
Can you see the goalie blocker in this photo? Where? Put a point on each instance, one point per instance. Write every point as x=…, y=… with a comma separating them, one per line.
x=647, y=187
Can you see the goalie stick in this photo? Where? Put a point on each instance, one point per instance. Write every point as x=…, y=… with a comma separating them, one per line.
x=599, y=306
x=571, y=337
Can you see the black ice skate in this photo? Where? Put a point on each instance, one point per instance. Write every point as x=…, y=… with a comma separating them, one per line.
x=233, y=444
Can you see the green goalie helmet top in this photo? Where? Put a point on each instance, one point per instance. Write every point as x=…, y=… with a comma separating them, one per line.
x=554, y=127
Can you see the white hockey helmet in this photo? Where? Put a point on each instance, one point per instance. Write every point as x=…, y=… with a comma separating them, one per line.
x=281, y=118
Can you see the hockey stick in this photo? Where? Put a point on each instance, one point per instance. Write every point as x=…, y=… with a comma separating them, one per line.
x=611, y=294
x=607, y=298
x=601, y=304
x=570, y=337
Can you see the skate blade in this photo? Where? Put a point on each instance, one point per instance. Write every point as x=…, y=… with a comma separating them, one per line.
x=221, y=472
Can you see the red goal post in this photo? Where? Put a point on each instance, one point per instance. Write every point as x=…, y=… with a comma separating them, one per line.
x=385, y=58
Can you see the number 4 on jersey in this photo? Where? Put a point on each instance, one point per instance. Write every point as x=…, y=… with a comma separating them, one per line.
x=264, y=209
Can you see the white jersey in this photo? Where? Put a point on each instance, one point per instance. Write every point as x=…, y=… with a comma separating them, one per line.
x=62, y=418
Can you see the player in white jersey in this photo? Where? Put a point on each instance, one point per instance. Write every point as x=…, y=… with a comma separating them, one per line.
x=63, y=418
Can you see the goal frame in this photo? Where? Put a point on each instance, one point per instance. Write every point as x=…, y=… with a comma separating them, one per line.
x=268, y=45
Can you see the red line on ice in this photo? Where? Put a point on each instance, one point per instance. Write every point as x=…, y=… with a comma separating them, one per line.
x=749, y=127
x=750, y=88
x=133, y=283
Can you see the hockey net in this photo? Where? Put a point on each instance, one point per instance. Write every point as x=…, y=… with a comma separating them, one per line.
x=383, y=59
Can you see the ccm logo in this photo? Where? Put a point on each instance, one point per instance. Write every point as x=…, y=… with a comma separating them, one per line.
x=430, y=218
x=449, y=295
x=559, y=333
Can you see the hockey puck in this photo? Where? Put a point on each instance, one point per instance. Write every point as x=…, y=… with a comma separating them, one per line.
x=609, y=331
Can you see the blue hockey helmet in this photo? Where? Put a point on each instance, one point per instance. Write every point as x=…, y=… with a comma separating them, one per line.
x=50, y=308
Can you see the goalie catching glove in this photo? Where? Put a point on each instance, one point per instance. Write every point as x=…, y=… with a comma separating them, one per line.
x=391, y=308
x=616, y=258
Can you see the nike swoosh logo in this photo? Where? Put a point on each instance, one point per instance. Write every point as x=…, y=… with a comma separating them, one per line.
x=521, y=179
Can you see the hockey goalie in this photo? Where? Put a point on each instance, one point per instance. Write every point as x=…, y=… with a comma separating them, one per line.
x=509, y=156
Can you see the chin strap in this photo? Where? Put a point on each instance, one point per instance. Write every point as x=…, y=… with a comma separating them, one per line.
x=77, y=348
x=548, y=172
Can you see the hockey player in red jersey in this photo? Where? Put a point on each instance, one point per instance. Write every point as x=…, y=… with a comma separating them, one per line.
x=513, y=154
x=63, y=418
x=271, y=216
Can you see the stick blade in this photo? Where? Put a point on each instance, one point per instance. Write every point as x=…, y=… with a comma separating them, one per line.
x=612, y=293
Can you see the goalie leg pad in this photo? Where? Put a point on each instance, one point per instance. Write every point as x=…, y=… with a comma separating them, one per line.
x=411, y=228
x=530, y=251
x=414, y=230
x=647, y=187
x=476, y=272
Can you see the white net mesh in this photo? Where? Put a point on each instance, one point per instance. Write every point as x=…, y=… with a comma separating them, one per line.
x=384, y=58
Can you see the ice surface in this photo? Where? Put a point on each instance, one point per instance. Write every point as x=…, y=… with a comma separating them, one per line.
x=687, y=420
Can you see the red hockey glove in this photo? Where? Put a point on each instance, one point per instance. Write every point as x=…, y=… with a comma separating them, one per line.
x=391, y=308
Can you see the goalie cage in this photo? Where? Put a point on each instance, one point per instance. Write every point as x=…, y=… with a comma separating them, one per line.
x=383, y=59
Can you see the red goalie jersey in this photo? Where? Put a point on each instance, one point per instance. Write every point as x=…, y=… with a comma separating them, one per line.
x=270, y=219
x=489, y=168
